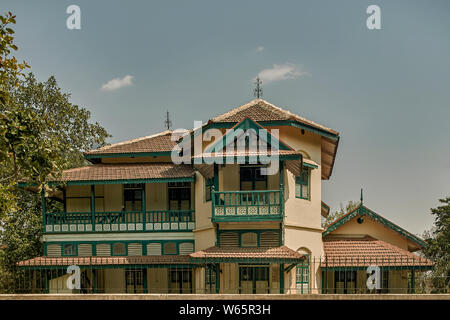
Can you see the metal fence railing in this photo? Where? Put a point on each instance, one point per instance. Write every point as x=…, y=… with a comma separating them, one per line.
x=171, y=274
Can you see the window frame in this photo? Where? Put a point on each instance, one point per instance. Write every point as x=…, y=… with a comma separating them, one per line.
x=133, y=186
x=253, y=180
x=299, y=181
x=179, y=185
x=209, y=183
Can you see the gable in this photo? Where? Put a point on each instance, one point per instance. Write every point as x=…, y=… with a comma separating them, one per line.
x=250, y=128
x=376, y=226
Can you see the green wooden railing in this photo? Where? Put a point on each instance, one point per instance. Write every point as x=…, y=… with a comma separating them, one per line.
x=246, y=205
x=120, y=221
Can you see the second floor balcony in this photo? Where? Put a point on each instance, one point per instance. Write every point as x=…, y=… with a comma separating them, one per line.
x=235, y=206
x=119, y=221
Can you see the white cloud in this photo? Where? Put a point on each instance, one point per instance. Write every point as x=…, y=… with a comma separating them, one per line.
x=281, y=72
x=118, y=83
x=260, y=49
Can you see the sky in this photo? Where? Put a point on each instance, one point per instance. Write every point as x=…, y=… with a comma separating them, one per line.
x=386, y=91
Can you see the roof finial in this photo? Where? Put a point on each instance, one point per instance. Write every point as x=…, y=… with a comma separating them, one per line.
x=361, y=195
x=257, y=92
x=167, y=122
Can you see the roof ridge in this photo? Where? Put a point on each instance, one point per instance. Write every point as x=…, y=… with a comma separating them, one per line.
x=105, y=148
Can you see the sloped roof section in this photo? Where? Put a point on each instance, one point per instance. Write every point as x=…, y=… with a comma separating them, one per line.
x=362, y=210
x=261, y=110
x=103, y=261
x=216, y=254
x=160, y=142
x=366, y=251
x=127, y=171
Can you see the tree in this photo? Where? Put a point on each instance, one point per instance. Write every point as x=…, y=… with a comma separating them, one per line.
x=438, y=247
x=41, y=134
x=351, y=205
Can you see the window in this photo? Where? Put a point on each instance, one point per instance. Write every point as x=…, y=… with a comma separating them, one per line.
x=302, y=279
x=134, y=280
x=170, y=248
x=249, y=239
x=69, y=249
x=179, y=195
x=119, y=249
x=180, y=281
x=302, y=185
x=208, y=188
x=132, y=195
x=345, y=282
x=385, y=281
x=252, y=179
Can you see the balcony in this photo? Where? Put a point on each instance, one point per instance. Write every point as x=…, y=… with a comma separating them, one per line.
x=119, y=221
x=234, y=206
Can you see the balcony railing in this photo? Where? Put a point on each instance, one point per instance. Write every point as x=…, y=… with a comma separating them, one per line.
x=246, y=205
x=120, y=221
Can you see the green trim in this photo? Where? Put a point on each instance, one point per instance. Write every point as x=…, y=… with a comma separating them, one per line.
x=245, y=125
x=115, y=266
x=274, y=123
x=95, y=182
x=362, y=210
x=236, y=158
x=359, y=268
x=127, y=155
x=310, y=165
x=94, y=244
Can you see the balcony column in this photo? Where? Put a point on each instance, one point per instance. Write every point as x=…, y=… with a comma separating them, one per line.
x=93, y=206
x=281, y=278
x=216, y=177
x=64, y=200
x=144, y=206
x=43, y=207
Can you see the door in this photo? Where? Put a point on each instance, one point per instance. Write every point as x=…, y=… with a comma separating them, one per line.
x=253, y=279
x=134, y=281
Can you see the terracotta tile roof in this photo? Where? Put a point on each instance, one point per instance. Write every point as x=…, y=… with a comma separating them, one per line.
x=128, y=171
x=281, y=253
x=365, y=251
x=87, y=261
x=261, y=110
x=160, y=142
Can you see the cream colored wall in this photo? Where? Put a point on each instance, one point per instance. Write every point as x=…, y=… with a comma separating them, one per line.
x=157, y=280
x=205, y=238
x=59, y=285
x=204, y=233
x=113, y=197
x=229, y=278
x=372, y=228
x=156, y=196
x=78, y=204
x=301, y=212
x=115, y=281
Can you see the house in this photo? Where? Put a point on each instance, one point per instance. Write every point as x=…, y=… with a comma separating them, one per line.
x=241, y=214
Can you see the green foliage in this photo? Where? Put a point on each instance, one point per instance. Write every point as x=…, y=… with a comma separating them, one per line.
x=351, y=205
x=41, y=134
x=438, y=248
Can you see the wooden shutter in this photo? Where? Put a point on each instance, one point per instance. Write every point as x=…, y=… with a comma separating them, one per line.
x=54, y=250
x=154, y=249
x=269, y=239
x=103, y=250
x=249, y=239
x=186, y=248
x=85, y=250
x=135, y=249
x=229, y=240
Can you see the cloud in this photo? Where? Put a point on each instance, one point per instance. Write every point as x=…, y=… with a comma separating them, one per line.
x=281, y=72
x=118, y=83
x=259, y=49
